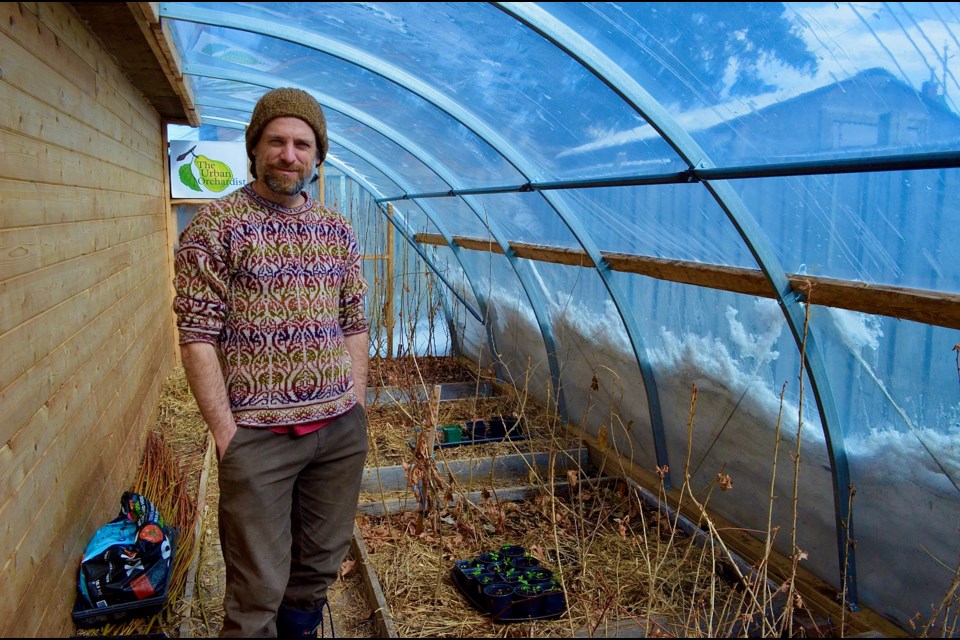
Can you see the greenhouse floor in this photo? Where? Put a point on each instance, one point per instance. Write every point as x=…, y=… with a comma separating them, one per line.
x=629, y=567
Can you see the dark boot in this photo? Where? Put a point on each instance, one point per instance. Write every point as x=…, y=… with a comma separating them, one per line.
x=298, y=624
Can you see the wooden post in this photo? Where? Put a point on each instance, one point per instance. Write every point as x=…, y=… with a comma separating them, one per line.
x=388, y=320
x=321, y=185
x=170, y=214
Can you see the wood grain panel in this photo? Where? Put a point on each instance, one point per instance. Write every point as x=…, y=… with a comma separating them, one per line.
x=24, y=27
x=28, y=204
x=45, y=563
x=61, y=389
x=33, y=293
x=29, y=117
x=94, y=420
x=112, y=87
x=27, y=249
x=86, y=329
x=33, y=360
x=27, y=159
x=33, y=77
x=72, y=425
x=64, y=22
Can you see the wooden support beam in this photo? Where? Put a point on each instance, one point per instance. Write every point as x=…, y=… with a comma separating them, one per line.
x=172, y=236
x=321, y=185
x=936, y=308
x=388, y=312
x=371, y=584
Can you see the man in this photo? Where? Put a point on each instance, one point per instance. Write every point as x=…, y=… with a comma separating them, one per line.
x=270, y=310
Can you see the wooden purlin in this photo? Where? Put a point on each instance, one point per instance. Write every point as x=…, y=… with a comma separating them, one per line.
x=938, y=308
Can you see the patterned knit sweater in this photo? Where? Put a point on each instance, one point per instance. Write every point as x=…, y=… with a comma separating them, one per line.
x=275, y=290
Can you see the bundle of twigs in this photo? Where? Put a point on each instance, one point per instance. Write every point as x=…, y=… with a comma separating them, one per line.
x=168, y=477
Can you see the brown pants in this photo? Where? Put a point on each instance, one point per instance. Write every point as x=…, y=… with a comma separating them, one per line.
x=287, y=511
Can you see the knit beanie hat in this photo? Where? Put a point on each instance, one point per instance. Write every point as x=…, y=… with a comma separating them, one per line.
x=287, y=102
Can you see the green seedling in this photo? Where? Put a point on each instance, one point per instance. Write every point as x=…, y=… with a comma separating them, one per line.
x=528, y=589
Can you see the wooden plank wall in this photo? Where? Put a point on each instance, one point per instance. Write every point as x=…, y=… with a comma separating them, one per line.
x=86, y=330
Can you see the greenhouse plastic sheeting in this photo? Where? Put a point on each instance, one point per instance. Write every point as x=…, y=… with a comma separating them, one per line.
x=757, y=200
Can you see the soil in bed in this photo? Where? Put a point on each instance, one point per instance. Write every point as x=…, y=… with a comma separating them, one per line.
x=419, y=371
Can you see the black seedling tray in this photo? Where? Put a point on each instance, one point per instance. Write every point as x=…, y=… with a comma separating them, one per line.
x=464, y=588
x=445, y=445
x=514, y=432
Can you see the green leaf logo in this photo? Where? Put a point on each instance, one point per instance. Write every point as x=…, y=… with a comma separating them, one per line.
x=186, y=177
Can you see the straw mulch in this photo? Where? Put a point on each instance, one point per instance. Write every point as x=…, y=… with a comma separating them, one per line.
x=620, y=564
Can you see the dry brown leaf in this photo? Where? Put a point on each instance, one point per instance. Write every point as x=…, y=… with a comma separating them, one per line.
x=724, y=481
x=347, y=568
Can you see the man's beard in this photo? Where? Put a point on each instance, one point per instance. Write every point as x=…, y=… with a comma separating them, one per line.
x=282, y=186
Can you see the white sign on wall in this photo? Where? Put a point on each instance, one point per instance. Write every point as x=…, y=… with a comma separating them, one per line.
x=201, y=169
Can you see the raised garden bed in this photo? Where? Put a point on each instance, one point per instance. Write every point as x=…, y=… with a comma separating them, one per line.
x=628, y=567
x=623, y=566
x=393, y=423
x=422, y=371
x=386, y=490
